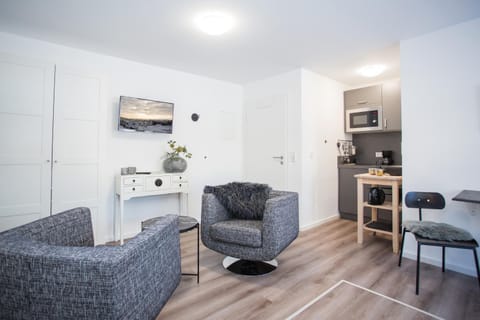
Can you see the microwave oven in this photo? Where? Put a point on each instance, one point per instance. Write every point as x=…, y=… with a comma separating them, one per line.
x=364, y=119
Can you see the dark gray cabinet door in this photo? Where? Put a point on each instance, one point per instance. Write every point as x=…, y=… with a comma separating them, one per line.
x=347, y=191
x=363, y=97
x=391, y=106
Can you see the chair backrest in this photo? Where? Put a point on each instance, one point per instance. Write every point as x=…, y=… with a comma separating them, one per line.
x=424, y=200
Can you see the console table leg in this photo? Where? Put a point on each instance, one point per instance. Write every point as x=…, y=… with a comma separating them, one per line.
x=198, y=254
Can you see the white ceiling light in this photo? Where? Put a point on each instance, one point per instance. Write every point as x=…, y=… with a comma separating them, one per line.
x=214, y=23
x=372, y=70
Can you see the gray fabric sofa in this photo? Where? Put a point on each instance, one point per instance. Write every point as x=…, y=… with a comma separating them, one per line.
x=254, y=240
x=49, y=269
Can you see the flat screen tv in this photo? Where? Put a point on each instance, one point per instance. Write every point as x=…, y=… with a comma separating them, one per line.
x=142, y=115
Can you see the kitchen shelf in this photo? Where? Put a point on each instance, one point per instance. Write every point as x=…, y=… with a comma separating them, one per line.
x=377, y=226
x=387, y=205
x=393, y=229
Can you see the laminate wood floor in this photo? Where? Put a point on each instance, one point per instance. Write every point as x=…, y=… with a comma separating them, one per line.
x=319, y=258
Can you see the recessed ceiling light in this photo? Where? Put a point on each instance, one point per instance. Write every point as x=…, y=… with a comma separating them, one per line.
x=372, y=70
x=214, y=23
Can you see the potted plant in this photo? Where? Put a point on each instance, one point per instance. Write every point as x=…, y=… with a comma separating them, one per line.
x=174, y=161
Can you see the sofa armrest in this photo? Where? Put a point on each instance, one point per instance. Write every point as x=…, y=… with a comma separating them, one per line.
x=212, y=210
x=280, y=220
x=108, y=282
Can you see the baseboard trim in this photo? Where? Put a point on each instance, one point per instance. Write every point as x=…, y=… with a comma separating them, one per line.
x=438, y=263
x=125, y=236
x=319, y=222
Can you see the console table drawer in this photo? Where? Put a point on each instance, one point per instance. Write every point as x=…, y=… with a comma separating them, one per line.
x=179, y=178
x=159, y=182
x=129, y=181
x=183, y=185
x=133, y=189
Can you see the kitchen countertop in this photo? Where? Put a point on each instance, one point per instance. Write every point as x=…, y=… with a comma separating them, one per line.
x=366, y=166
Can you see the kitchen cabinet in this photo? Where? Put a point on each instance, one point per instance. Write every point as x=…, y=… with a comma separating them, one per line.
x=386, y=95
x=363, y=97
x=391, y=102
x=347, y=192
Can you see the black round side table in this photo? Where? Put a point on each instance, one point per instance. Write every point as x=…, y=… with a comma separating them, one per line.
x=185, y=224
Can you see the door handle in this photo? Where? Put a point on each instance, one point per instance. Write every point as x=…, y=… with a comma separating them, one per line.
x=279, y=158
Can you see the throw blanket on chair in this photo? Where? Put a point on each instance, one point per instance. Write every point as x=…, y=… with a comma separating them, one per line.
x=243, y=199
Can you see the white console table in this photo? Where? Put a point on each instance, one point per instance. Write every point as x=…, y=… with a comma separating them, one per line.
x=143, y=185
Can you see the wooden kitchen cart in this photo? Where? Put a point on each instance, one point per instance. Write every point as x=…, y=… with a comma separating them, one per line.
x=395, y=182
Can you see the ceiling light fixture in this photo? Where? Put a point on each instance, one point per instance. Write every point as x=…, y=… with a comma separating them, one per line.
x=214, y=23
x=372, y=70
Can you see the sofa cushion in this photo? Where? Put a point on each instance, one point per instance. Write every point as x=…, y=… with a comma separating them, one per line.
x=243, y=199
x=241, y=232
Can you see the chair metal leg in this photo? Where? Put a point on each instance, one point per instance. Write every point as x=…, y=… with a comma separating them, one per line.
x=401, y=248
x=476, y=264
x=418, y=268
x=443, y=259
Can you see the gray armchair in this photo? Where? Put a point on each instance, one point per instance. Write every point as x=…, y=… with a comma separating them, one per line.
x=49, y=269
x=253, y=243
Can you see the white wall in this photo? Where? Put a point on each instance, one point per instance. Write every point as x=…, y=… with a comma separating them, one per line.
x=441, y=129
x=215, y=140
x=315, y=114
x=322, y=125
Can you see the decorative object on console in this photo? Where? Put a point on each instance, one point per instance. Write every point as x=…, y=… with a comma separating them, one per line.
x=49, y=269
x=174, y=162
x=250, y=245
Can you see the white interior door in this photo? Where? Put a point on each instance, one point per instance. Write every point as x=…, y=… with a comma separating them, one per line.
x=26, y=104
x=265, y=141
x=75, y=145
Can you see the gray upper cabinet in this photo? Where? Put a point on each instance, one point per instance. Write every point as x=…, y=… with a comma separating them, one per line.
x=392, y=106
x=363, y=97
x=387, y=95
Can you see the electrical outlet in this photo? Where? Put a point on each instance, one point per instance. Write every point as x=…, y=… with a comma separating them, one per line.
x=379, y=154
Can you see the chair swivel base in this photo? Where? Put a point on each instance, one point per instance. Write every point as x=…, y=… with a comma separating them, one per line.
x=248, y=267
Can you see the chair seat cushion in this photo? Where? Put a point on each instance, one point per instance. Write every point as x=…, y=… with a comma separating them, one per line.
x=241, y=232
x=437, y=231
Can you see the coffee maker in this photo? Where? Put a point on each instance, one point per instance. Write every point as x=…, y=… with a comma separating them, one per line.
x=387, y=157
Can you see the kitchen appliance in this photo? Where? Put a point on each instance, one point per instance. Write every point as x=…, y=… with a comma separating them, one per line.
x=364, y=119
x=376, y=196
x=387, y=157
x=346, y=150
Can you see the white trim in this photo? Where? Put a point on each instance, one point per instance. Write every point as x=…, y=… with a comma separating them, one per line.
x=412, y=255
x=110, y=238
x=319, y=222
x=363, y=288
